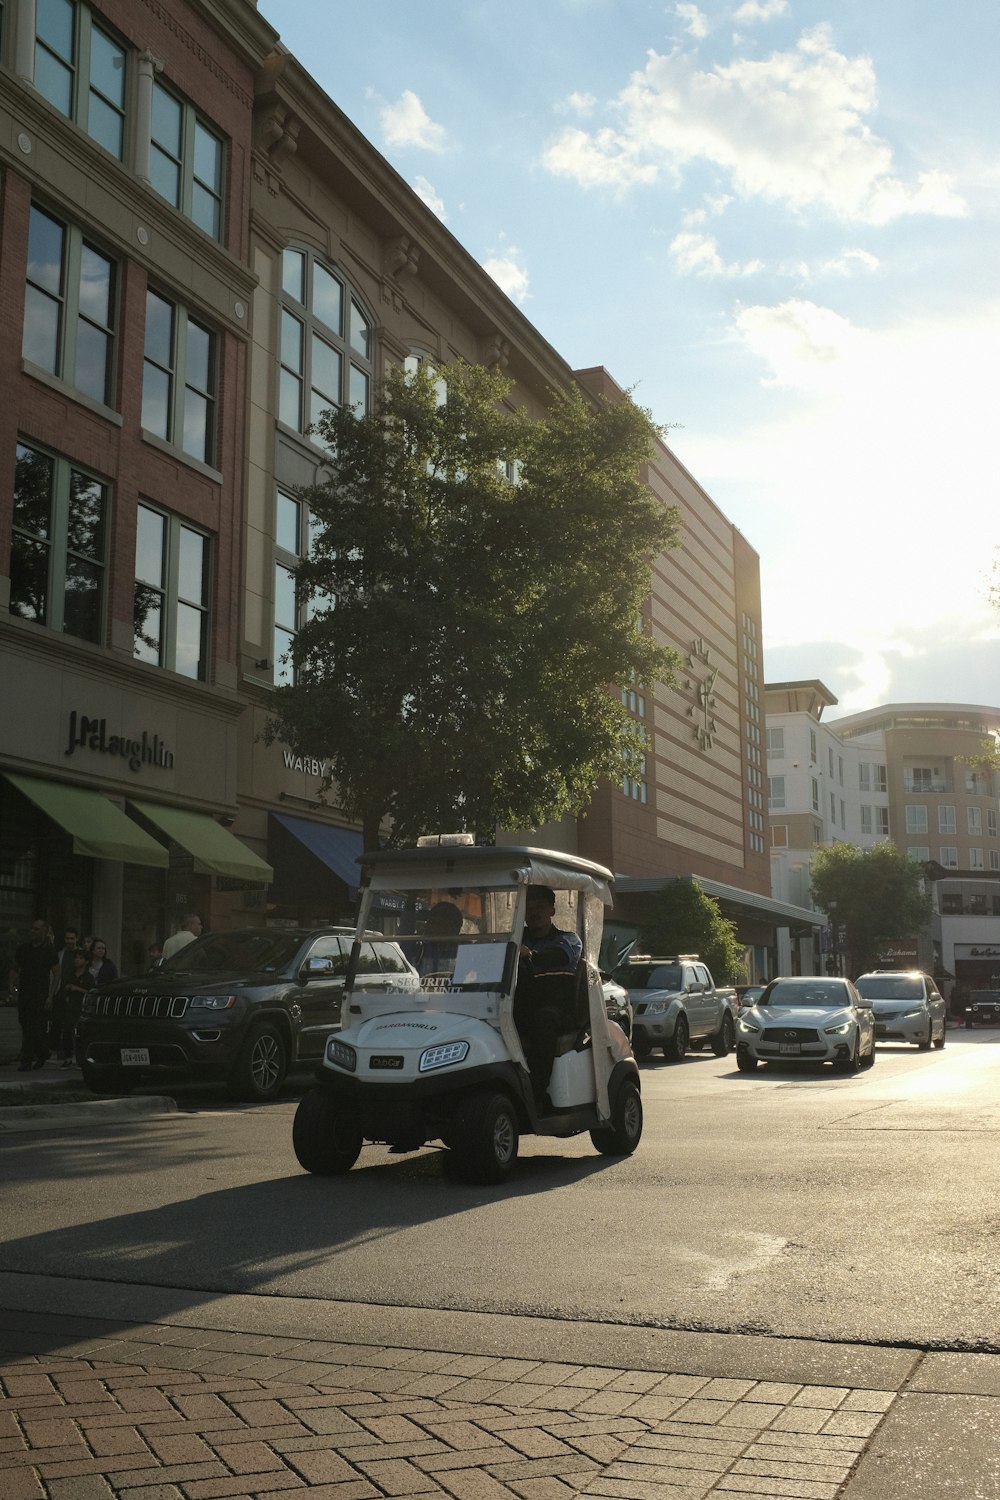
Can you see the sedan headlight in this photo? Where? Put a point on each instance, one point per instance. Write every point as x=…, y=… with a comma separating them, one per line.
x=841, y=1030
x=341, y=1055
x=212, y=1002
x=909, y=1015
x=746, y=1023
x=443, y=1056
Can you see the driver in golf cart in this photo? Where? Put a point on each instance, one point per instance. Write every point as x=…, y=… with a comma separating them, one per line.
x=545, y=1001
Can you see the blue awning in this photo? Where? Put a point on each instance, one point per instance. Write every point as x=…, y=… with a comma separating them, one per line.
x=337, y=848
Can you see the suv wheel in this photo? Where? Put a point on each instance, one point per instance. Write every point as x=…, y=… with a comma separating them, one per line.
x=485, y=1138
x=260, y=1068
x=326, y=1134
x=675, y=1049
x=621, y=1137
x=725, y=1038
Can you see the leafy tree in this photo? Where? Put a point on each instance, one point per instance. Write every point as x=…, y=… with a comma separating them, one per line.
x=475, y=585
x=683, y=918
x=876, y=893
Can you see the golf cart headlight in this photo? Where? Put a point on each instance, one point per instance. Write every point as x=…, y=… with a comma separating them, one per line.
x=443, y=1056
x=841, y=1030
x=746, y=1024
x=341, y=1055
x=212, y=1002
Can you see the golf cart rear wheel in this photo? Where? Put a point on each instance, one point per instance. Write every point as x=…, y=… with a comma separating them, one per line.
x=326, y=1134
x=621, y=1137
x=485, y=1138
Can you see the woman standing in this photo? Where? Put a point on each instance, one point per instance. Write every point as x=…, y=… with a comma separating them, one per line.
x=99, y=964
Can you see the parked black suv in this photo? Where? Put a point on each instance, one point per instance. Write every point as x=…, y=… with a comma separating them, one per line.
x=982, y=1005
x=237, y=1007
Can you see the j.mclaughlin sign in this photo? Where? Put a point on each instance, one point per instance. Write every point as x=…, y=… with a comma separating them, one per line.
x=92, y=734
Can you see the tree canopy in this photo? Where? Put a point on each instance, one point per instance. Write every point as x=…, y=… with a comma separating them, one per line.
x=876, y=893
x=475, y=586
x=684, y=918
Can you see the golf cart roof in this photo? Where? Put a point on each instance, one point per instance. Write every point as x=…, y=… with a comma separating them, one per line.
x=493, y=865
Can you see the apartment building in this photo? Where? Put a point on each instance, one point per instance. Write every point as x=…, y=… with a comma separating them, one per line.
x=898, y=772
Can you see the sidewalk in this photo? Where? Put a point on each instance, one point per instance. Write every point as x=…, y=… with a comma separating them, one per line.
x=149, y=1393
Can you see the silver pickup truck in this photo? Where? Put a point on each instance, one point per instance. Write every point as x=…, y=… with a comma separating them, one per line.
x=677, y=1006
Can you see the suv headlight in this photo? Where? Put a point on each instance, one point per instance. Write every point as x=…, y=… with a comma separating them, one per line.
x=443, y=1056
x=212, y=1002
x=657, y=1007
x=841, y=1030
x=341, y=1055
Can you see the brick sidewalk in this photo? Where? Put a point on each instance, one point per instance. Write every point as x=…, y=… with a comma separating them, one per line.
x=159, y=1412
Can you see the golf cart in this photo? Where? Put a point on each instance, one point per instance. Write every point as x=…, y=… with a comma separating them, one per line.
x=445, y=1061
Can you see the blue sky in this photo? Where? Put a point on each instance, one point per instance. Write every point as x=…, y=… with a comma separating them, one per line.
x=777, y=221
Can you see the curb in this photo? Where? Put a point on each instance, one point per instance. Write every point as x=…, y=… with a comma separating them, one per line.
x=31, y=1116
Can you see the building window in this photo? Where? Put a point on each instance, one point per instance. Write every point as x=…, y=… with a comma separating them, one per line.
x=171, y=593
x=80, y=70
x=916, y=817
x=995, y=859
x=951, y=905
x=812, y=746
x=977, y=906
x=636, y=788
x=948, y=856
x=815, y=795
x=918, y=853
x=976, y=784
x=946, y=819
x=58, y=545
x=776, y=792
x=830, y=758
x=833, y=808
x=185, y=161
x=843, y=814
x=867, y=825
x=779, y=835
x=881, y=778
x=69, y=307
x=864, y=776
x=991, y=822
x=776, y=742
x=179, y=378
x=975, y=817
x=840, y=769
x=295, y=528
x=976, y=861
x=326, y=343
x=882, y=818
x=634, y=699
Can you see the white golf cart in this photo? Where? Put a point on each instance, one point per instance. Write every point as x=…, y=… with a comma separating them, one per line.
x=445, y=1061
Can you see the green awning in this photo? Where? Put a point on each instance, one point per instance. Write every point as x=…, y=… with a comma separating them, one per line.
x=99, y=828
x=214, y=849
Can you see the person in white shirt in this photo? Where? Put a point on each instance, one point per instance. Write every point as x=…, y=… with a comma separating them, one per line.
x=190, y=928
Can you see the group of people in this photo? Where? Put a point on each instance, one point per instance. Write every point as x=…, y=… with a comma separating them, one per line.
x=50, y=984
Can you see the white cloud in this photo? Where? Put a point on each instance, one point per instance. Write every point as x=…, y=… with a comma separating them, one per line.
x=760, y=10
x=577, y=104
x=697, y=254
x=791, y=128
x=844, y=263
x=806, y=346
x=509, y=274
x=407, y=123
x=426, y=192
x=694, y=20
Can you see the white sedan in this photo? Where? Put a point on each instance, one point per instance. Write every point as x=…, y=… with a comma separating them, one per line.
x=807, y=1019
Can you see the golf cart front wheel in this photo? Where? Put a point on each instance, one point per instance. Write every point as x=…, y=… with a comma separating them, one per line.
x=326, y=1134
x=621, y=1137
x=485, y=1139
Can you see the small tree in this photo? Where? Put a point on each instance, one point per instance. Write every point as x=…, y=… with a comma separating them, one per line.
x=877, y=894
x=475, y=584
x=683, y=918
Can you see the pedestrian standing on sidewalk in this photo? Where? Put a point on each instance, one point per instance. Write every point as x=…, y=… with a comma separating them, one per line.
x=68, y=1006
x=190, y=928
x=99, y=964
x=35, y=971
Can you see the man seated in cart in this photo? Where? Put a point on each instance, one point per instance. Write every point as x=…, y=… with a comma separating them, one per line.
x=543, y=1009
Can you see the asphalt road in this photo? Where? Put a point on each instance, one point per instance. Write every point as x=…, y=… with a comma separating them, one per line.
x=800, y=1204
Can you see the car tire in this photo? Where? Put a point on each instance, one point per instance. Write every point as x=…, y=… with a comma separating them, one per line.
x=925, y=1045
x=118, y=1081
x=260, y=1066
x=746, y=1062
x=640, y=1047
x=869, y=1061
x=968, y=1025
x=939, y=1044
x=621, y=1137
x=326, y=1134
x=485, y=1139
x=677, y=1046
x=725, y=1038
x=850, y=1064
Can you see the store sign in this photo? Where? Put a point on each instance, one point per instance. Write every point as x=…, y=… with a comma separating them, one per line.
x=977, y=950
x=92, y=734
x=308, y=764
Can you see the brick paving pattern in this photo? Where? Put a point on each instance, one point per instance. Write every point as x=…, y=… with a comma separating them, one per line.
x=165, y=1413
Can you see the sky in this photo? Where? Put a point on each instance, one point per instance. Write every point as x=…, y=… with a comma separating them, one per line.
x=776, y=221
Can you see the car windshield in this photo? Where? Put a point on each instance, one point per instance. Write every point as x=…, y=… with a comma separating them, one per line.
x=890, y=987
x=650, y=976
x=457, y=937
x=811, y=992
x=235, y=953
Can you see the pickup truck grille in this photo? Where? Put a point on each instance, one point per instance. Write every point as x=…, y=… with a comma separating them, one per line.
x=148, y=1007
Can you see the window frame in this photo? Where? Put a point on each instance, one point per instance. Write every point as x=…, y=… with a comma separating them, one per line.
x=299, y=309
x=70, y=303
x=61, y=502
x=168, y=590
x=79, y=67
x=184, y=161
x=916, y=817
x=182, y=320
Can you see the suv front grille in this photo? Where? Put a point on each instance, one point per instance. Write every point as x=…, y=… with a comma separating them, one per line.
x=149, y=1007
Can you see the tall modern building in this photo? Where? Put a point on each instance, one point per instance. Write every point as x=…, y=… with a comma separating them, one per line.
x=199, y=252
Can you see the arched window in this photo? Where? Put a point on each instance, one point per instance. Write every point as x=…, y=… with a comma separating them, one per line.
x=327, y=341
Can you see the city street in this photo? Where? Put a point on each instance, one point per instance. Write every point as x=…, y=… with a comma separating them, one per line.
x=788, y=1203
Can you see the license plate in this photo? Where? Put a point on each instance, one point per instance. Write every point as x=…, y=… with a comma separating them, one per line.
x=135, y=1057
x=789, y=1049
x=385, y=1062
